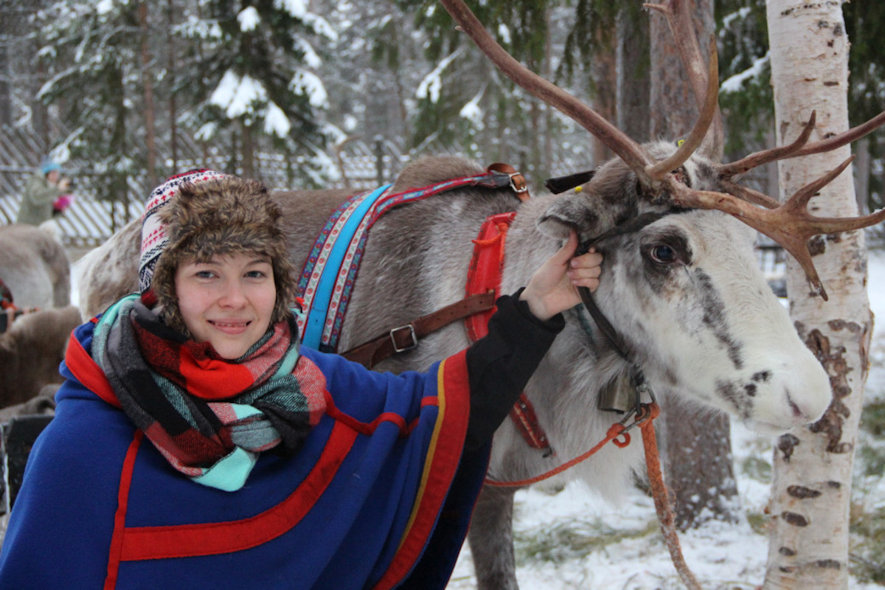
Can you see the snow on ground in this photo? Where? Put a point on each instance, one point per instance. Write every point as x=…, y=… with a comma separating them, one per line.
x=572, y=539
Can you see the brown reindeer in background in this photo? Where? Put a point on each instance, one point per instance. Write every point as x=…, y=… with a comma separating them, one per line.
x=31, y=351
x=682, y=290
x=34, y=266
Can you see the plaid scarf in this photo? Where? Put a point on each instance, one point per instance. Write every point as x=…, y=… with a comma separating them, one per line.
x=209, y=417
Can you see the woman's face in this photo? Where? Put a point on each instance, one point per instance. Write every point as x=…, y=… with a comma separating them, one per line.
x=227, y=301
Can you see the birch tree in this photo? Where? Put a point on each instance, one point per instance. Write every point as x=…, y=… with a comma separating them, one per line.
x=808, y=544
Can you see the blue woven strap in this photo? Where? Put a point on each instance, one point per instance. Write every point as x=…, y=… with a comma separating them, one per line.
x=316, y=318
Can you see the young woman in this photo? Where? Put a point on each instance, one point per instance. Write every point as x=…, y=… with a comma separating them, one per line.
x=196, y=445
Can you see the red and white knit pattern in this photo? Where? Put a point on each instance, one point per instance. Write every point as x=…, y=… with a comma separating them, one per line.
x=153, y=232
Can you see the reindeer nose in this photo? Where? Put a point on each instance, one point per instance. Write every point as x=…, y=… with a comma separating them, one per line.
x=809, y=404
x=797, y=413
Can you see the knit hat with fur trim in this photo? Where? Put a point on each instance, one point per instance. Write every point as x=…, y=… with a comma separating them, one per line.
x=205, y=215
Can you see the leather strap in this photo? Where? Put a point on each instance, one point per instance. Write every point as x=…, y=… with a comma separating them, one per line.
x=406, y=337
x=560, y=184
x=518, y=183
x=529, y=427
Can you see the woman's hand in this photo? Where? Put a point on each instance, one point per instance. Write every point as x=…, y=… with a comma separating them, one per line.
x=553, y=287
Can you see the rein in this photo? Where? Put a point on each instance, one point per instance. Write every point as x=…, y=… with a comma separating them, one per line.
x=641, y=414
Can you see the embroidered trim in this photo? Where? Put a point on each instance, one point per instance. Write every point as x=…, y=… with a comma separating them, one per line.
x=115, y=554
x=443, y=460
x=190, y=540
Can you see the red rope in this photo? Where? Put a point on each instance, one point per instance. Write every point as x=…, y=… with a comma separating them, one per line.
x=614, y=432
x=661, y=496
x=645, y=420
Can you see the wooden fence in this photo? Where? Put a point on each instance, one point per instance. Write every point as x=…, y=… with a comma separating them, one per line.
x=89, y=221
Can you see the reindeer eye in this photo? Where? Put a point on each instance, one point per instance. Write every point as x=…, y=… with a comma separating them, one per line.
x=665, y=251
x=663, y=254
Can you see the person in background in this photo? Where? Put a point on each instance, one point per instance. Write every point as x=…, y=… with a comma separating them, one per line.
x=46, y=194
x=196, y=445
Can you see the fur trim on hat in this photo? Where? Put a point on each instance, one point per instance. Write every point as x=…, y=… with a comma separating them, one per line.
x=222, y=216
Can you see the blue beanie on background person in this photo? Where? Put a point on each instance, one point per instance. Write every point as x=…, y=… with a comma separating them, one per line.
x=48, y=166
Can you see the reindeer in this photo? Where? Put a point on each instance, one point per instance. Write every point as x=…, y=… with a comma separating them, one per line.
x=30, y=352
x=35, y=267
x=680, y=288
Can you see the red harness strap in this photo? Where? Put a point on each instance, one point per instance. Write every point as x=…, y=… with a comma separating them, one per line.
x=484, y=273
x=9, y=311
x=484, y=276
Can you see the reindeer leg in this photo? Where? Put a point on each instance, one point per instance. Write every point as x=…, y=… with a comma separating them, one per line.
x=491, y=540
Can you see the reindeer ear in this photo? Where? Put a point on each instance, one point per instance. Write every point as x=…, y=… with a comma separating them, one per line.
x=607, y=199
x=586, y=211
x=575, y=210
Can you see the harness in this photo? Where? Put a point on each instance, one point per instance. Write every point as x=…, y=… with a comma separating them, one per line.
x=484, y=276
x=328, y=276
x=476, y=308
x=642, y=414
x=636, y=413
x=9, y=311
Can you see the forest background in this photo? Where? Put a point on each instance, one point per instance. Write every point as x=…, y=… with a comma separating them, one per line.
x=125, y=93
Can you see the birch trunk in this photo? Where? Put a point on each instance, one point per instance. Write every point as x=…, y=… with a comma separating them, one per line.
x=808, y=543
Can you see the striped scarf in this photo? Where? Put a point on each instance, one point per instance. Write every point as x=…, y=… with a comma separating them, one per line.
x=209, y=417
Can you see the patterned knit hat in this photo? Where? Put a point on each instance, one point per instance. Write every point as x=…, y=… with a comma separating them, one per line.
x=153, y=233
x=201, y=214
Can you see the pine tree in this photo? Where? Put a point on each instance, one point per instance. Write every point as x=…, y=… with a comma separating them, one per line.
x=90, y=55
x=252, y=74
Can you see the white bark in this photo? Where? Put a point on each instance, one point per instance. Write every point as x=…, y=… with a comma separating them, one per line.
x=812, y=465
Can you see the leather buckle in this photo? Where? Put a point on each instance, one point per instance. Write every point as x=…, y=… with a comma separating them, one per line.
x=411, y=334
x=518, y=183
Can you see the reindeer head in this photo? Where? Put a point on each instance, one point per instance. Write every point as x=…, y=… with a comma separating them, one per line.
x=789, y=224
x=690, y=301
x=689, y=304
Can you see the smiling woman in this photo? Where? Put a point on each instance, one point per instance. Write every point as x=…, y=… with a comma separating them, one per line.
x=227, y=301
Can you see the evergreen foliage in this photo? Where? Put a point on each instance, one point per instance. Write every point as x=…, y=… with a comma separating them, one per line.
x=255, y=70
x=865, y=25
x=464, y=98
x=745, y=98
x=244, y=80
x=90, y=50
x=392, y=72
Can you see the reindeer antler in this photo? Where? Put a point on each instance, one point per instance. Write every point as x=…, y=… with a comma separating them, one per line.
x=789, y=224
x=615, y=139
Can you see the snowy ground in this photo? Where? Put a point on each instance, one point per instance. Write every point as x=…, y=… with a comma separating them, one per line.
x=571, y=539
